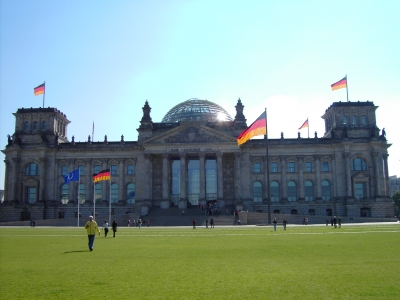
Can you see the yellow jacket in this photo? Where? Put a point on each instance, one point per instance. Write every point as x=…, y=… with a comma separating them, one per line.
x=92, y=227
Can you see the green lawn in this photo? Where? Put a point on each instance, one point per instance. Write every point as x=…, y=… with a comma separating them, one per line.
x=304, y=262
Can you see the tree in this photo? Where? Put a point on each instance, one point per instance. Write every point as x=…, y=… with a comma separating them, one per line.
x=396, y=200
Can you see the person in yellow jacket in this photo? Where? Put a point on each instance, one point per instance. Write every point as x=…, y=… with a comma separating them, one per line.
x=92, y=228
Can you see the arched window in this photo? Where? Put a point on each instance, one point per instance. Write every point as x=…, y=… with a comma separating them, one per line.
x=344, y=120
x=130, y=193
x=326, y=190
x=358, y=164
x=275, y=191
x=114, y=193
x=309, y=191
x=64, y=193
x=363, y=120
x=35, y=126
x=82, y=193
x=44, y=125
x=292, y=191
x=27, y=126
x=257, y=191
x=354, y=120
x=98, y=191
x=31, y=194
x=32, y=169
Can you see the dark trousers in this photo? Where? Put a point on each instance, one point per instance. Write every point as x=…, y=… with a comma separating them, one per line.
x=91, y=240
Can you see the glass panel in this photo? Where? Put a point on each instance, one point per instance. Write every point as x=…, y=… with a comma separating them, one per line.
x=82, y=193
x=35, y=126
x=257, y=191
x=114, y=193
x=257, y=168
x=308, y=191
x=175, y=181
x=64, y=170
x=193, y=181
x=359, y=190
x=81, y=170
x=130, y=170
x=308, y=167
x=98, y=192
x=64, y=194
x=31, y=194
x=113, y=169
x=326, y=190
x=44, y=125
x=211, y=179
x=292, y=193
x=274, y=167
x=275, y=191
x=325, y=166
x=130, y=193
x=291, y=167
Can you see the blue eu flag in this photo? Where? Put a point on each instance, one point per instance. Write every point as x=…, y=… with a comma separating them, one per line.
x=73, y=176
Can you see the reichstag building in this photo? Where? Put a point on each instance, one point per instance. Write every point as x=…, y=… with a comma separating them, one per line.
x=191, y=157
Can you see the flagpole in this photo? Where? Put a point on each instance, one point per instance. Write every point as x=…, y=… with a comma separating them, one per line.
x=93, y=132
x=308, y=127
x=79, y=185
x=94, y=200
x=347, y=88
x=44, y=92
x=268, y=187
x=109, y=209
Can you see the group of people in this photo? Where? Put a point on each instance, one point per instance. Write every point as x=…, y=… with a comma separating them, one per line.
x=138, y=223
x=335, y=221
x=284, y=223
x=211, y=223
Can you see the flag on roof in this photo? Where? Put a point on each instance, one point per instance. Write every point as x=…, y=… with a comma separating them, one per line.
x=102, y=175
x=258, y=127
x=342, y=83
x=305, y=124
x=39, y=89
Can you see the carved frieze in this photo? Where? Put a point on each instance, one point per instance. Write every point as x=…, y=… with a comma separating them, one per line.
x=193, y=135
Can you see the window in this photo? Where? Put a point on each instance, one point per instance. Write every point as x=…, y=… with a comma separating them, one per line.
x=130, y=170
x=275, y=191
x=354, y=120
x=96, y=169
x=82, y=193
x=113, y=169
x=257, y=168
x=358, y=164
x=309, y=191
x=64, y=170
x=64, y=193
x=44, y=125
x=325, y=166
x=274, y=167
x=98, y=191
x=291, y=168
x=257, y=191
x=114, y=193
x=32, y=169
x=344, y=120
x=359, y=190
x=81, y=170
x=308, y=166
x=326, y=190
x=31, y=194
x=35, y=126
x=292, y=192
x=363, y=120
x=130, y=193
x=27, y=126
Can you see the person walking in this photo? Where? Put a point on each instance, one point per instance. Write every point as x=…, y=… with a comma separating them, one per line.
x=212, y=223
x=91, y=228
x=105, y=228
x=194, y=224
x=114, y=226
x=284, y=223
x=206, y=223
x=274, y=224
x=129, y=223
x=339, y=220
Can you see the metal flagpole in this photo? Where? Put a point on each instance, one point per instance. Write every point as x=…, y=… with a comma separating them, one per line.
x=109, y=210
x=44, y=92
x=79, y=185
x=269, y=186
x=347, y=89
x=94, y=200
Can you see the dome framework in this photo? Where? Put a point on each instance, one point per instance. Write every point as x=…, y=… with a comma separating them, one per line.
x=196, y=110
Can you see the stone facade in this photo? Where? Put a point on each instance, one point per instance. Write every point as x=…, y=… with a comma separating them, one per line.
x=343, y=173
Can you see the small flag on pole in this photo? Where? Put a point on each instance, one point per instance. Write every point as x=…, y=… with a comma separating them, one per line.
x=73, y=176
x=258, y=127
x=102, y=175
x=305, y=124
x=342, y=83
x=39, y=89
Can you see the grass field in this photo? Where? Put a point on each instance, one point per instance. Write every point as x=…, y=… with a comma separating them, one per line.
x=304, y=262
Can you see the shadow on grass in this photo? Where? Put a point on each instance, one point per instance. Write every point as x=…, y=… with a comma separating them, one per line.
x=75, y=251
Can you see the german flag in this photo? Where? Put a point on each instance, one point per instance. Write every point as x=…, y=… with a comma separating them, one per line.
x=305, y=124
x=39, y=90
x=342, y=83
x=259, y=127
x=102, y=175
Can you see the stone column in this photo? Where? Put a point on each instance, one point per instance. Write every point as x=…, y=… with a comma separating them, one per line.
x=105, y=184
x=89, y=184
x=300, y=163
x=165, y=191
x=202, y=176
x=148, y=168
x=318, y=187
x=266, y=183
x=386, y=174
x=347, y=169
x=14, y=181
x=220, y=185
x=238, y=194
x=284, y=177
x=121, y=181
x=183, y=176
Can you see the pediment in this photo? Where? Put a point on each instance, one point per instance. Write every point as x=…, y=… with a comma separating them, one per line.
x=191, y=133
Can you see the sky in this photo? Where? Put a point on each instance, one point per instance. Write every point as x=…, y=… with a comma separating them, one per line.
x=101, y=60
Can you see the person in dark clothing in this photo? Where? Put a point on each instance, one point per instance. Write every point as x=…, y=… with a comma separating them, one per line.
x=194, y=224
x=114, y=227
x=212, y=223
x=284, y=223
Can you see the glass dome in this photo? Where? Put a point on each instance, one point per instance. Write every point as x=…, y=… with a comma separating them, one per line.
x=196, y=110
